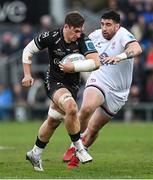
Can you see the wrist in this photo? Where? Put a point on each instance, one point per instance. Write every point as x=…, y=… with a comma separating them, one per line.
x=27, y=75
x=122, y=56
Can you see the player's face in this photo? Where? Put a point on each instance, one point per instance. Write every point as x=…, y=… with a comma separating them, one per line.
x=73, y=33
x=109, y=28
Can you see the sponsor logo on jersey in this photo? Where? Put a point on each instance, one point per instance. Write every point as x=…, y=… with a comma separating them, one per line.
x=92, y=80
x=89, y=45
x=59, y=52
x=98, y=45
x=45, y=34
x=131, y=36
x=56, y=61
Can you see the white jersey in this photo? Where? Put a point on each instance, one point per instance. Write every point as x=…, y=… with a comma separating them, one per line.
x=116, y=78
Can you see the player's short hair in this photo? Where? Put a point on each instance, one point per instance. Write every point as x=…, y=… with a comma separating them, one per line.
x=111, y=14
x=75, y=19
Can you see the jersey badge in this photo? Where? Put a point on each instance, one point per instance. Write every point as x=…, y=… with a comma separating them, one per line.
x=92, y=80
x=89, y=45
x=131, y=36
x=45, y=34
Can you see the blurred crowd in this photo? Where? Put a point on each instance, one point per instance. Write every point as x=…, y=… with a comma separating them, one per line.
x=136, y=16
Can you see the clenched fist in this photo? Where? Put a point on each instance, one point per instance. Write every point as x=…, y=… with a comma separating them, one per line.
x=27, y=81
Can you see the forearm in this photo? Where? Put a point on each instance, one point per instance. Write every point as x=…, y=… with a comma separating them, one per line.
x=27, y=69
x=132, y=50
x=27, y=55
x=91, y=63
x=84, y=66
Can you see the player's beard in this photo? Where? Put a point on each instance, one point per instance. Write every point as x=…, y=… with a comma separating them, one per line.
x=108, y=36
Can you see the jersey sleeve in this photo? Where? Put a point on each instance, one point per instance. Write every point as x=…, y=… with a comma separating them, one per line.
x=126, y=38
x=43, y=40
x=86, y=45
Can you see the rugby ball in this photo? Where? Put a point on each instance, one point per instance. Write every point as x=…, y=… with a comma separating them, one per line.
x=73, y=57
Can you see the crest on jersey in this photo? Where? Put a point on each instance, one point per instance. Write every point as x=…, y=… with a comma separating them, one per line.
x=92, y=80
x=131, y=36
x=45, y=34
x=89, y=45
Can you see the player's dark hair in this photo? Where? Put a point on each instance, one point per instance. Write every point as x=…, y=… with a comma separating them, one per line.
x=111, y=14
x=75, y=19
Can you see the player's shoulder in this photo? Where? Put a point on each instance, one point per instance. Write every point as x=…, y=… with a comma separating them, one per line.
x=123, y=32
x=56, y=32
x=48, y=34
x=95, y=32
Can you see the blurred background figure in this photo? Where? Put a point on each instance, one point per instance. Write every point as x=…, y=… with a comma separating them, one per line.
x=26, y=35
x=6, y=102
x=45, y=23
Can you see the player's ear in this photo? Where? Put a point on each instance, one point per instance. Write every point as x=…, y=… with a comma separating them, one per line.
x=117, y=26
x=66, y=26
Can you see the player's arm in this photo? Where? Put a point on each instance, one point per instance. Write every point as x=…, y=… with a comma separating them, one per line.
x=91, y=63
x=40, y=42
x=27, y=55
x=132, y=50
x=95, y=58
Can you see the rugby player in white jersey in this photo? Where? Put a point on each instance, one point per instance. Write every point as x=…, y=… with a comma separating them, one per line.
x=108, y=86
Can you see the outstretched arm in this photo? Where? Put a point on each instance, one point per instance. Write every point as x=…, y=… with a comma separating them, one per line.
x=132, y=49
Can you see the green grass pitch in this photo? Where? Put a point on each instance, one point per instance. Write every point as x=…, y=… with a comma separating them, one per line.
x=121, y=151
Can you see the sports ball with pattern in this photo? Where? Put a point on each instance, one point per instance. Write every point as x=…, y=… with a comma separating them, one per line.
x=73, y=57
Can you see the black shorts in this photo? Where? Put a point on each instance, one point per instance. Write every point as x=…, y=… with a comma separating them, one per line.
x=51, y=86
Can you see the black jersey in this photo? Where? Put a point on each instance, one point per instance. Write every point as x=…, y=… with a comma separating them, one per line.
x=58, y=49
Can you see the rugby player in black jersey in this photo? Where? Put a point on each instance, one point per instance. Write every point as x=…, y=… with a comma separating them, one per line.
x=61, y=82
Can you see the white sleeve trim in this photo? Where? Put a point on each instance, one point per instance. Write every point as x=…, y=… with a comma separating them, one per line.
x=28, y=52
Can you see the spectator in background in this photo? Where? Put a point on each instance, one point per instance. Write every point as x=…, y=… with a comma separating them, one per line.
x=6, y=49
x=149, y=87
x=112, y=4
x=26, y=35
x=149, y=57
x=139, y=27
x=147, y=38
x=6, y=101
x=45, y=23
x=138, y=76
x=148, y=12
